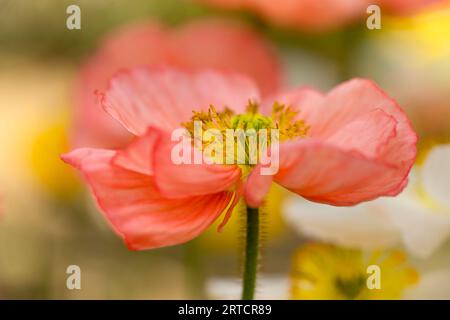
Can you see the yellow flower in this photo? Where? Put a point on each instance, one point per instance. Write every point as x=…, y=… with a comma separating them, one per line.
x=35, y=120
x=425, y=32
x=51, y=140
x=322, y=271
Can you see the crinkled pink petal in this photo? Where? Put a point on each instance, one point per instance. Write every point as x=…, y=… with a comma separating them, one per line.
x=137, y=211
x=165, y=97
x=328, y=114
x=368, y=133
x=182, y=180
x=138, y=155
x=328, y=174
x=356, y=97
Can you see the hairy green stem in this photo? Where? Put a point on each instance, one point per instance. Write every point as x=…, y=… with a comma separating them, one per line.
x=251, y=254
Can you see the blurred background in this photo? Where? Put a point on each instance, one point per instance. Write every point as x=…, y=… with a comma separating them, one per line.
x=48, y=74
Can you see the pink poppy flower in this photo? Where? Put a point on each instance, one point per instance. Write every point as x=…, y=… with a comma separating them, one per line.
x=210, y=43
x=350, y=145
x=324, y=15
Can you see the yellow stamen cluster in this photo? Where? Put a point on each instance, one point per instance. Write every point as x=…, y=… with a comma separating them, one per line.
x=282, y=119
x=210, y=119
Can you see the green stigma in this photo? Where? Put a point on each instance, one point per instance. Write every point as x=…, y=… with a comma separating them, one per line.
x=252, y=119
x=350, y=288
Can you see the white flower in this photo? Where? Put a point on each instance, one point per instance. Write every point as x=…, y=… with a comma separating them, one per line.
x=419, y=218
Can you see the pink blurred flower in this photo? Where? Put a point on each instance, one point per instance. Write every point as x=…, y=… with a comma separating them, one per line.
x=202, y=44
x=313, y=15
x=310, y=15
x=360, y=146
x=401, y=7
